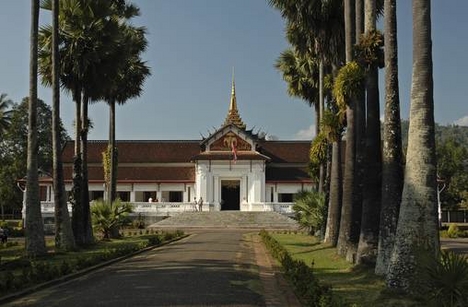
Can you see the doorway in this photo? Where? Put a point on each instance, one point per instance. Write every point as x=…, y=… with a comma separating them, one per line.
x=230, y=195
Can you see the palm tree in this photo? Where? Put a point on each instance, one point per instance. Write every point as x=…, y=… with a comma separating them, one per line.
x=126, y=84
x=310, y=210
x=332, y=126
x=63, y=232
x=368, y=239
x=88, y=32
x=346, y=241
x=5, y=114
x=392, y=168
x=35, y=242
x=417, y=228
x=315, y=29
x=301, y=75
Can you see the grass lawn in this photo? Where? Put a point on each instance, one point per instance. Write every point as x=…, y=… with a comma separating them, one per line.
x=355, y=284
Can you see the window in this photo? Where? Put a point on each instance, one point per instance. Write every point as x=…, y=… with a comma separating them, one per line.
x=172, y=196
x=148, y=195
x=95, y=195
x=285, y=197
x=175, y=197
x=124, y=196
x=43, y=193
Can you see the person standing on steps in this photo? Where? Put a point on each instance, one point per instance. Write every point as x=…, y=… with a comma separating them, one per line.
x=200, y=204
x=195, y=204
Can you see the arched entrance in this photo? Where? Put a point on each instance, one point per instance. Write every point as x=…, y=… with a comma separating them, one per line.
x=230, y=195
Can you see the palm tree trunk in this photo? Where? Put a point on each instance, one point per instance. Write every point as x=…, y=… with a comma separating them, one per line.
x=321, y=103
x=359, y=6
x=87, y=225
x=392, y=168
x=336, y=193
x=113, y=166
x=35, y=242
x=346, y=245
x=77, y=209
x=368, y=239
x=63, y=231
x=418, y=225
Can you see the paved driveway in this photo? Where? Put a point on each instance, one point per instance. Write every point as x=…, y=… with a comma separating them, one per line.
x=458, y=245
x=205, y=269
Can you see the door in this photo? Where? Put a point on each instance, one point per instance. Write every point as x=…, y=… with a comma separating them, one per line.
x=230, y=195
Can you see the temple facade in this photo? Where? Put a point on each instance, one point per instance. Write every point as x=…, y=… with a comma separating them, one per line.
x=231, y=169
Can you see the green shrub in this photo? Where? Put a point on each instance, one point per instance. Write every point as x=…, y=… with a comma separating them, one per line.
x=108, y=216
x=310, y=210
x=301, y=276
x=443, y=280
x=65, y=268
x=453, y=231
x=154, y=240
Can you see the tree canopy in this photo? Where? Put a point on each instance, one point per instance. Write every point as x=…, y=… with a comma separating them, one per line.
x=13, y=148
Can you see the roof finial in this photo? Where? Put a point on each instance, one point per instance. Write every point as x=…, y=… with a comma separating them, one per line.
x=233, y=105
x=233, y=116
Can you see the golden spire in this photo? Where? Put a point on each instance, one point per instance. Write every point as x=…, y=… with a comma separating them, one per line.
x=233, y=116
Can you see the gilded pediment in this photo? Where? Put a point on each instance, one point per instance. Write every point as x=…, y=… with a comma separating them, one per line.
x=228, y=141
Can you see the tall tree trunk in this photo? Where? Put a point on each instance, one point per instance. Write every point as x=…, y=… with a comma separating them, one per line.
x=114, y=232
x=368, y=239
x=345, y=242
x=417, y=228
x=35, y=242
x=87, y=225
x=360, y=132
x=359, y=7
x=392, y=168
x=321, y=103
x=63, y=231
x=336, y=193
x=113, y=153
x=77, y=207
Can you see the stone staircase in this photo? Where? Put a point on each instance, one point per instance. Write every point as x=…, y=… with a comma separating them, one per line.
x=227, y=220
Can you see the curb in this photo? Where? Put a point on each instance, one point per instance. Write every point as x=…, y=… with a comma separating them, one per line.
x=11, y=297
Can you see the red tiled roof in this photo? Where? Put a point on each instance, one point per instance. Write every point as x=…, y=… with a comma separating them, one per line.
x=139, y=151
x=286, y=151
x=287, y=174
x=167, y=152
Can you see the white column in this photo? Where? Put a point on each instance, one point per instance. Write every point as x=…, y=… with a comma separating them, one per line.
x=216, y=190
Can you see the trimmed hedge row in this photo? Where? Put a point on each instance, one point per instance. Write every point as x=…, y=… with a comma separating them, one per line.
x=38, y=271
x=301, y=276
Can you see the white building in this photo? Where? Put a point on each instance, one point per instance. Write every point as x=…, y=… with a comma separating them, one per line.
x=231, y=169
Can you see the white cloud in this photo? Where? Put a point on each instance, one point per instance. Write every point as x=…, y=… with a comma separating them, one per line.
x=462, y=121
x=306, y=134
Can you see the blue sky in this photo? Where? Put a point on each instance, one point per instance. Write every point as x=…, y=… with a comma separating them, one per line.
x=193, y=46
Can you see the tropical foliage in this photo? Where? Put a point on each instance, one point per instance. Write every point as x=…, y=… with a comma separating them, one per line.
x=348, y=83
x=452, y=167
x=5, y=113
x=310, y=210
x=109, y=216
x=443, y=280
x=13, y=148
